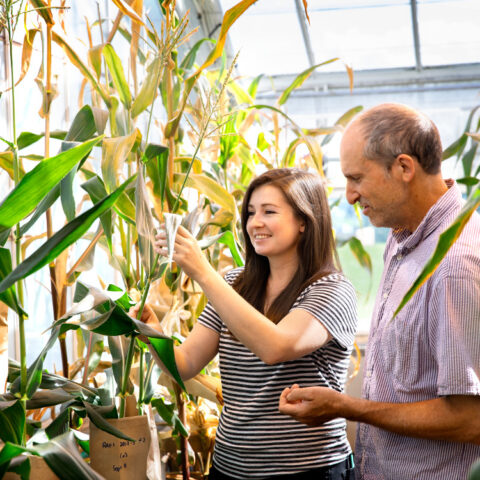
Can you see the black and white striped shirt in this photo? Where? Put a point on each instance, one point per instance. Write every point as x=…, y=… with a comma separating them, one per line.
x=254, y=439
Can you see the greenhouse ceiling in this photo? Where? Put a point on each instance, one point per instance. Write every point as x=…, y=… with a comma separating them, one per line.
x=385, y=42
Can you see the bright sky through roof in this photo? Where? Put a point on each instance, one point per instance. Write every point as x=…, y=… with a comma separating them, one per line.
x=366, y=34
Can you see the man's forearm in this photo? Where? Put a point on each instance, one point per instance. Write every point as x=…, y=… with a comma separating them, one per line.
x=454, y=418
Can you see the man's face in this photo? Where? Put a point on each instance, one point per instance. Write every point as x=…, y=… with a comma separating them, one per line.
x=380, y=192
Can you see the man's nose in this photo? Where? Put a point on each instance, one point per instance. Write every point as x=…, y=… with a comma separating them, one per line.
x=351, y=194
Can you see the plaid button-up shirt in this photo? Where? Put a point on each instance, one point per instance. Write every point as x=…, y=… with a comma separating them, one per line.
x=430, y=349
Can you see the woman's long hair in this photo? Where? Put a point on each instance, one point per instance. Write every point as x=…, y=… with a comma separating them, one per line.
x=305, y=193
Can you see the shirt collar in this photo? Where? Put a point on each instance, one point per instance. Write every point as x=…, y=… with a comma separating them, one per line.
x=446, y=204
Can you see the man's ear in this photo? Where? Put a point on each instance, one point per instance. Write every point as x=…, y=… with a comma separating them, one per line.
x=405, y=166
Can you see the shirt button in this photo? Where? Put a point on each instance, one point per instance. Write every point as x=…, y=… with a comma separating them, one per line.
x=399, y=256
x=385, y=295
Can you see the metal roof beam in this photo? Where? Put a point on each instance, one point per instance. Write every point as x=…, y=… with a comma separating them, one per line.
x=305, y=33
x=416, y=35
x=378, y=78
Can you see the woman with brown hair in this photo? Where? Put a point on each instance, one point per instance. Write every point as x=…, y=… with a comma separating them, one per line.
x=288, y=316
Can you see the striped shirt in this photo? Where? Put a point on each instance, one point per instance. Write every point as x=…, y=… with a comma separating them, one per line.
x=253, y=438
x=430, y=349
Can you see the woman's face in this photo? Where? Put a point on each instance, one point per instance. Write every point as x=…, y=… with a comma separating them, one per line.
x=272, y=225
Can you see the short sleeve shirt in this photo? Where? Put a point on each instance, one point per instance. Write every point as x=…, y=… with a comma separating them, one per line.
x=254, y=439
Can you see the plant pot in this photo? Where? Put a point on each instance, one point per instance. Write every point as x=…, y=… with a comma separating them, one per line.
x=118, y=459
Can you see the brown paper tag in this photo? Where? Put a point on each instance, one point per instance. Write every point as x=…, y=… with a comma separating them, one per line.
x=119, y=459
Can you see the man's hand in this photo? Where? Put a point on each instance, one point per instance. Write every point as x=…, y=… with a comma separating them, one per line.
x=312, y=405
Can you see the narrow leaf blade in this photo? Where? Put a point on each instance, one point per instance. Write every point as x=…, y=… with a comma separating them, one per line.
x=37, y=183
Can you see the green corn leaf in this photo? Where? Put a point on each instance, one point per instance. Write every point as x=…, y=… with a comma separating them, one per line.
x=66, y=186
x=37, y=183
x=65, y=237
x=167, y=412
x=445, y=241
x=164, y=348
x=60, y=424
x=457, y=146
x=148, y=91
x=115, y=321
x=22, y=468
x=211, y=189
x=25, y=139
x=64, y=459
x=343, y=122
x=157, y=168
x=48, y=398
x=9, y=296
x=151, y=379
x=300, y=79
x=87, y=121
x=115, y=66
x=189, y=59
x=145, y=225
x=227, y=239
x=468, y=158
x=468, y=181
x=253, y=87
x=96, y=190
x=228, y=141
x=360, y=253
x=12, y=421
x=118, y=351
x=43, y=206
x=35, y=371
x=103, y=424
x=8, y=453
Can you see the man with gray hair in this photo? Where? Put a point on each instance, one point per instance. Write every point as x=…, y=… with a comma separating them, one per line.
x=419, y=417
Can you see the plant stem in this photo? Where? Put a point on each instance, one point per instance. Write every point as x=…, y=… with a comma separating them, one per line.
x=18, y=250
x=87, y=359
x=141, y=382
x=182, y=414
x=126, y=374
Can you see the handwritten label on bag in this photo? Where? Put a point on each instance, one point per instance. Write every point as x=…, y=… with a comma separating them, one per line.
x=119, y=459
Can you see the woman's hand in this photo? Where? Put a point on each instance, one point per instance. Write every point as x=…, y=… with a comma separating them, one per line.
x=186, y=253
x=148, y=316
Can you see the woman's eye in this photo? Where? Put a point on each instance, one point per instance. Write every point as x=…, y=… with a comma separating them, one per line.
x=269, y=212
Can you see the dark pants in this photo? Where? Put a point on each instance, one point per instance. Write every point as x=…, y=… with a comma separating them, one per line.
x=341, y=471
